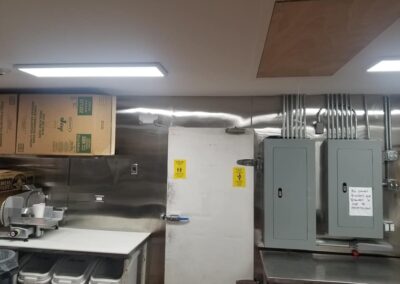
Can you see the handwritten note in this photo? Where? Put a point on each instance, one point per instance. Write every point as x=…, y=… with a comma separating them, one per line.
x=360, y=201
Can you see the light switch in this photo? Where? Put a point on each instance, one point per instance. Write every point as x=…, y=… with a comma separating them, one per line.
x=134, y=169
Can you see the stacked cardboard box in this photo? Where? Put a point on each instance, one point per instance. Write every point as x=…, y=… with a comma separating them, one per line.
x=11, y=183
x=66, y=125
x=8, y=123
x=14, y=180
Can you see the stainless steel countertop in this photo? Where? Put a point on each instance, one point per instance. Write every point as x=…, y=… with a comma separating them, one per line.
x=302, y=267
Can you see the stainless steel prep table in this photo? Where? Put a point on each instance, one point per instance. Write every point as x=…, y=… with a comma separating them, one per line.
x=127, y=245
x=302, y=267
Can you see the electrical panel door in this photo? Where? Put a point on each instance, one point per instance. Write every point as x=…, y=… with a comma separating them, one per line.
x=289, y=167
x=354, y=183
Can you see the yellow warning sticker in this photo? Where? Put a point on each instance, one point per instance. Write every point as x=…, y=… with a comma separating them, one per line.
x=179, y=169
x=239, y=177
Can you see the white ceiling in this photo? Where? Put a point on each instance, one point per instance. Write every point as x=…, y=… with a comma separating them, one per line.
x=209, y=47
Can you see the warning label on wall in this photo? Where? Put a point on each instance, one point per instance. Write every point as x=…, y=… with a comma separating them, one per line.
x=239, y=177
x=360, y=201
x=179, y=169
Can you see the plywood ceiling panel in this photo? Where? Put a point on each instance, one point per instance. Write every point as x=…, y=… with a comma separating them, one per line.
x=317, y=37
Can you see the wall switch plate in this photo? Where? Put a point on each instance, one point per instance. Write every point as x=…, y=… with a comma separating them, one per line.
x=134, y=169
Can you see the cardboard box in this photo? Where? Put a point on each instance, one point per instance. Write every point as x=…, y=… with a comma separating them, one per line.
x=66, y=125
x=8, y=123
x=14, y=180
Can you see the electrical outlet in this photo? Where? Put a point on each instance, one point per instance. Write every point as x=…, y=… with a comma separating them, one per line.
x=99, y=198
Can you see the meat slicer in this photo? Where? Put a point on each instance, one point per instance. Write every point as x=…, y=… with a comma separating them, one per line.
x=17, y=216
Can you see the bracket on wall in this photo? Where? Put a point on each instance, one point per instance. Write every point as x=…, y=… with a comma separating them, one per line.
x=256, y=163
x=235, y=130
x=390, y=155
x=391, y=184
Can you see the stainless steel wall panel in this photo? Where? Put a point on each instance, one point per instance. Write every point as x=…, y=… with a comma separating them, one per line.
x=51, y=173
x=266, y=116
x=136, y=202
x=211, y=111
x=116, y=194
x=134, y=111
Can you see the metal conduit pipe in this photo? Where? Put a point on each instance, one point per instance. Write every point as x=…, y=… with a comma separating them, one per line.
x=385, y=120
x=349, y=113
x=287, y=117
x=331, y=115
x=366, y=117
x=355, y=123
x=300, y=117
x=296, y=133
x=283, y=116
x=333, y=118
x=386, y=106
x=341, y=117
x=329, y=127
x=328, y=117
x=351, y=118
x=388, y=123
x=291, y=116
x=303, y=112
x=305, y=117
x=289, y=111
x=337, y=115
x=346, y=106
x=300, y=133
x=294, y=116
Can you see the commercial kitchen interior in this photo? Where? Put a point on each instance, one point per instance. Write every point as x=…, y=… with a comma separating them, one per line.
x=261, y=146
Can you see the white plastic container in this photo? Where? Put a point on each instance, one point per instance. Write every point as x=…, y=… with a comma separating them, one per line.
x=38, y=210
x=74, y=270
x=8, y=260
x=8, y=266
x=38, y=269
x=108, y=271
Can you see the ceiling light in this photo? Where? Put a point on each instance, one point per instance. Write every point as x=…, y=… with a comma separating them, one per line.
x=93, y=70
x=386, y=66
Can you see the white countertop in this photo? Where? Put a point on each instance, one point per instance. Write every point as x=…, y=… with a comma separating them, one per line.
x=82, y=240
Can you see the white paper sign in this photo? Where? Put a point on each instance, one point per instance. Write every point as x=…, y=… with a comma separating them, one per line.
x=360, y=201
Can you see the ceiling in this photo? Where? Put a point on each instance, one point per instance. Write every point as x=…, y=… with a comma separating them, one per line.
x=209, y=47
x=322, y=35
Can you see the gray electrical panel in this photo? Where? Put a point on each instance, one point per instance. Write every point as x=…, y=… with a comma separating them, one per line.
x=289, y=194
x=353, y=179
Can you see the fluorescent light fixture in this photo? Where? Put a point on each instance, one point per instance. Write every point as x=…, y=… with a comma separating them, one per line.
x=386, y=66
x=93, y=70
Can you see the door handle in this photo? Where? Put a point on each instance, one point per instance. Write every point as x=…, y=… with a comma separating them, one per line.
x=280, y=193
x=175, y=218
x=344, y=187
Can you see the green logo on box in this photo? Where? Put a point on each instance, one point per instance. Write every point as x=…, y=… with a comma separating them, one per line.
x=85, y=105
x=83, y=143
